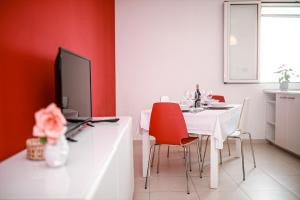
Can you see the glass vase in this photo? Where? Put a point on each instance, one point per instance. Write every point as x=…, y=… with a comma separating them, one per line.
x=56, y=154
x=284, y=85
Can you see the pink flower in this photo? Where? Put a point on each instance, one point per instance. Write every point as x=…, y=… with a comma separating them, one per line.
x=49, y=123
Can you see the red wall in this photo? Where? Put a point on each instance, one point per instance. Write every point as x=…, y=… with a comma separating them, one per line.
x=30, y=33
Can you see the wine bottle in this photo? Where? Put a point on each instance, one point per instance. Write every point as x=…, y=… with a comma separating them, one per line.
x=197, y=96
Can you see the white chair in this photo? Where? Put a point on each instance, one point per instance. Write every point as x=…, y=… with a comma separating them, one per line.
x=241, y=130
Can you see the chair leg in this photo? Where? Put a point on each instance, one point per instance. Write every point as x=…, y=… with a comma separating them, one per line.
x=221, y=161
x=199, y=156
x=153, y=156
x=184, y=152
x=200, y=138
x=146, y=182
x=228, y=146
x=158, y=156
x=253, y=156
x=190, y=158
x=204, y=156
x=186, y=174
x=243, y=162
x=168, y=151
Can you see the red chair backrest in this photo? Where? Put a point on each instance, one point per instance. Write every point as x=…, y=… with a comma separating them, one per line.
x=218, y=97
x=167, y=124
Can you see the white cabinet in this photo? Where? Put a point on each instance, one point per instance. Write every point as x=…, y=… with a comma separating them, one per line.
x=270, y=117
x=117, y=183
x=100, y=166
x=285, y=132
x=293, y=123
x=281, y=120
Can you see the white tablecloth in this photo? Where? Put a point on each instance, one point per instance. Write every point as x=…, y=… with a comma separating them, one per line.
x=217, y=123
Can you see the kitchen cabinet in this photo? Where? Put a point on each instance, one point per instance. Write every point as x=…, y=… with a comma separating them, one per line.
x=283, y=119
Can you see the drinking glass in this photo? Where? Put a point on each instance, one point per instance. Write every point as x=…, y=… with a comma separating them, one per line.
x=203, y=97
x=188, y=95
x=208, y=95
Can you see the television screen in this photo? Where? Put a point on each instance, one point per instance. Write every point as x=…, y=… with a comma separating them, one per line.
x=73, y=85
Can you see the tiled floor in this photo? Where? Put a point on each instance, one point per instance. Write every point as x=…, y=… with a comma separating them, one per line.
x=277, y=176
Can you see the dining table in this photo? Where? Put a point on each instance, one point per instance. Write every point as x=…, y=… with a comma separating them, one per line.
x=217, y=122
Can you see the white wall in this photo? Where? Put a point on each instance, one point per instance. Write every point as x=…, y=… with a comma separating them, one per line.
x=164, y=47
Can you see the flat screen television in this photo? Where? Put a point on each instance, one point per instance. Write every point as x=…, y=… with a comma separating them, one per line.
x=73, y=86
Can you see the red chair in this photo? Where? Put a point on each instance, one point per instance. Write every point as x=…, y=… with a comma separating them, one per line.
x=168, y=127
x=218, y=97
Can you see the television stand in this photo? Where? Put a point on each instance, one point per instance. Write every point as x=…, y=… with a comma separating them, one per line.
x=100, y=166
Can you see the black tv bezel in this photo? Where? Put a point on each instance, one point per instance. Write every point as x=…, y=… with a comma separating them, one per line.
x=58, y=80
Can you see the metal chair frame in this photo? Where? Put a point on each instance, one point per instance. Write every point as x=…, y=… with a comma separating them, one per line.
x=235, y=137
x=187, y=151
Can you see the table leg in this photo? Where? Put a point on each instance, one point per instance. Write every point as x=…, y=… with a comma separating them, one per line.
x=214, y=162
x=237, y=148
x=146, y=150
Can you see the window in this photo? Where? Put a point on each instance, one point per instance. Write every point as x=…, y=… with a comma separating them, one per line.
x=241, y=42
x=280, y=40
x=258, y=38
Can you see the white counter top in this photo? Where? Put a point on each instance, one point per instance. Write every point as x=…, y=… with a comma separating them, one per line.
x=87, y=162
x=282, y=92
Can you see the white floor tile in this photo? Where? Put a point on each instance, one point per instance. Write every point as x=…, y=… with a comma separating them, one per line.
x=173, y=196
x=271, y=195
x=277, y=176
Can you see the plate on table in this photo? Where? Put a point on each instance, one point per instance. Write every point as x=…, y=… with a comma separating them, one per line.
x=184, y=108
x=195, y=110
x=218, y=106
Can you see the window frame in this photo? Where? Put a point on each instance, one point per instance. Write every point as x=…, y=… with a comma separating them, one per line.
x=227, y=27
x=227, y=16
